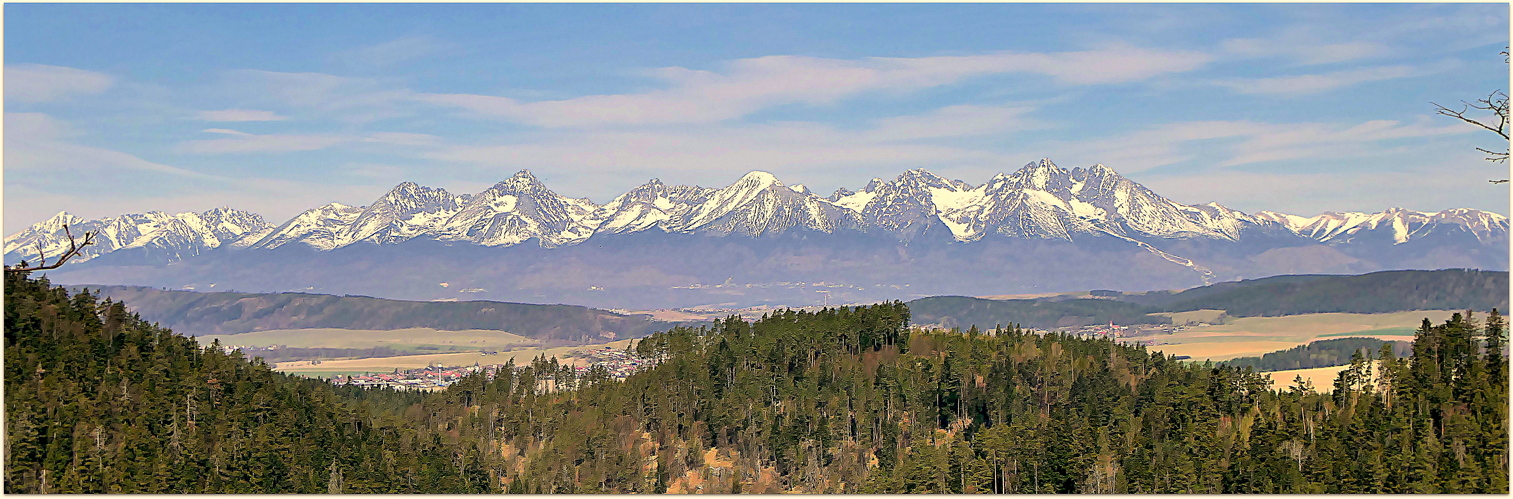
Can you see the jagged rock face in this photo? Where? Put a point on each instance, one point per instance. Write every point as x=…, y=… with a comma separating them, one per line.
x=906, y=206
x=407, y=211
x=649, y=206
x=1040, y=201
x=1398, y=224
x=519, y=209
x=759, y=204
x=317, y=228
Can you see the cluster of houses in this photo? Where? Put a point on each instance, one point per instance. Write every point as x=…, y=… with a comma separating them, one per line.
x=618, y=363
x=1115, y=331
x=425, y=378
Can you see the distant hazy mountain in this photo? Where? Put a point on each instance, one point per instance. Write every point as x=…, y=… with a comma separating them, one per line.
x=1041, y=228
x=195, y=314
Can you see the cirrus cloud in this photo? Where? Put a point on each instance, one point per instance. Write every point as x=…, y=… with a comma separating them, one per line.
x=234, y=115
x=42, y=83
x=746, y=86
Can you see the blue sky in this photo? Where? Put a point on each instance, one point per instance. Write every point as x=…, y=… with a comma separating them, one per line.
x=275, y=108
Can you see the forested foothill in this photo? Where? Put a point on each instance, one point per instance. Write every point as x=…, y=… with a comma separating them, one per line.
x=840, y=400
x=1323, y=353
x=1379, y=292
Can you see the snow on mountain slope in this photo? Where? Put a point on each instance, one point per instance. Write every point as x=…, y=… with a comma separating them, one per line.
x=407, y=211
x=904, y=206
x=1141, y=211
x=759, y=204
x=1403, y=225
x=176, y=236
x=650, y=205
x=318, y=228
x=1038, y=201
x=518, y=209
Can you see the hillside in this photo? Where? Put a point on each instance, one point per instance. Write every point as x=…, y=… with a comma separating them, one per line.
x=195, y=314
x=964, y=312
x=842, y=400
x=1377, y=292
x=99, y=401
x=1325, y=353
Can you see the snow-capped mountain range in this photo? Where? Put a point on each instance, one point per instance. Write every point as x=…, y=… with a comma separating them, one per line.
x=1039, y=228
x=1039, y=201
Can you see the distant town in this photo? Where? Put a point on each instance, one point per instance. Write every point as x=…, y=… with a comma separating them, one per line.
x=618, y=363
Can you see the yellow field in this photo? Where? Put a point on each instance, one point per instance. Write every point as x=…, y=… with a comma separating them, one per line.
x=388, y=364
x=1253, y=336
x=398, y=339
x=1195, y=316
x=1321, y=377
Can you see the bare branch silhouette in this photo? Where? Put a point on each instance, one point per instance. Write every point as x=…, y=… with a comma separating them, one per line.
x=1497, y=104
x=74, y=248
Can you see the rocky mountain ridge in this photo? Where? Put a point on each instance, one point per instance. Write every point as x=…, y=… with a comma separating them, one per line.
x=1039, y=201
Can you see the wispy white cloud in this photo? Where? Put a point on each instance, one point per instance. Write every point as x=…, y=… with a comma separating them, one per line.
x=749, y=85
x=1248, y=142
x=235, y=115
x=1303, y=51
x=821, y=154
x=36, y=142
x=955, y=121
x=393, y=52
x=243, y=142
x=41, y=83
x=347, y=99
x=226, y=132
x=1313, y=83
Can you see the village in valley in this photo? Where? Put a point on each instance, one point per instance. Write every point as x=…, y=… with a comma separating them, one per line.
x=616, y=363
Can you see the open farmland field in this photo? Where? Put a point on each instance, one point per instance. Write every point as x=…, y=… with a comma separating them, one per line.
x=1254, y=336
x=1321, y=377
x=1195, y=316
x=386, y=364
x=416, y=339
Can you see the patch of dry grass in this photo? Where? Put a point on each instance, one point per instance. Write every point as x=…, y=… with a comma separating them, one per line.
x=1254, y=336
x=385, y=364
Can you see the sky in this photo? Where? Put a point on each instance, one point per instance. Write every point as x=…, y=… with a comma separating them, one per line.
x=277, y=108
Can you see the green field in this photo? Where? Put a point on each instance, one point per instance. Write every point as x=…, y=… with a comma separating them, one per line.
x=413, y=339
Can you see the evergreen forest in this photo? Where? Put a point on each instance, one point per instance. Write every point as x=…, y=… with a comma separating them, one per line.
x=842, y=400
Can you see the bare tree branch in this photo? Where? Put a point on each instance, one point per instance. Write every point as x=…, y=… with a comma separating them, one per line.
x=1497, y=104
x=74, y=248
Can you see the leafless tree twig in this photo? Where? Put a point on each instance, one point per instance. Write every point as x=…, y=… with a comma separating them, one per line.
x=74, y=247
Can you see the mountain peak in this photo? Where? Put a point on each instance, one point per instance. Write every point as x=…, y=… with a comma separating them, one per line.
x=758, y=176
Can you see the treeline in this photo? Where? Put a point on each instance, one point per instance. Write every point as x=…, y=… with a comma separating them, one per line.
x=839, y=400
x=1323, y=353
x=286, y=354
x=1377, y=292
x=964, y=312
x=99, y=401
